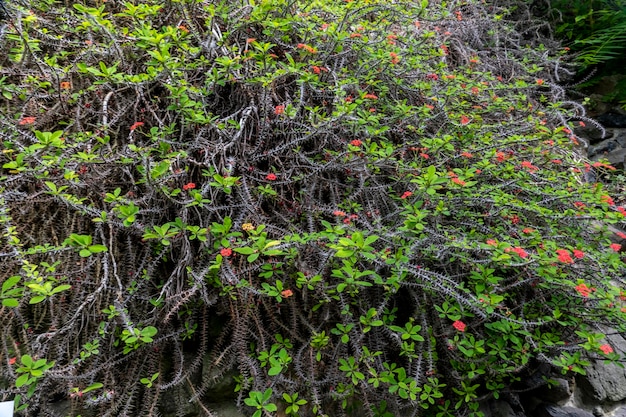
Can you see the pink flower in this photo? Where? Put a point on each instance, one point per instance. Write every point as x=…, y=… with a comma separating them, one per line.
x=616, y=247
x=459, y=325
x=606, y=349
x=286, y=293
x=271, y=177
x=26, y=120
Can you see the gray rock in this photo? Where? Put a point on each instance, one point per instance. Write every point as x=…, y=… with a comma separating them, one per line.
x=603, y=148
x=499, y=408
x=606, y=382
x=619, y=412
x=555, y=394
x=620, y=137
x=556, y=411
x=612, y=119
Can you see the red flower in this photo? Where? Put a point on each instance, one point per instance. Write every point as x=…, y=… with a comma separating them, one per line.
x=459, y=325
x=622, y=211
x=12, y=360
x=621, y=235
x=356, y=142
x=286, y=293
x=458, y=181
x=424, y=155
x=226, y=252
x=564, y=256
x=307, y=48
x=136, y=125
x=579, y=205
x=606, y=349
x=527, y=230
x=616, y=247
x=465, y=120
x=406, y=194
x=189, y=186
x=271, y=177
x=339, y=213
x=582, y=124
x=607, y=199
x=540, y=82
x=466, y=154
x=280, y=109
x=528, y=165
x=578, y=253
x=557, y=161
x=583, y=290
x=316, y=69
x=433, y=77
x=492, y=242
x=370, y=96
x=26, y=120
x=521, y=252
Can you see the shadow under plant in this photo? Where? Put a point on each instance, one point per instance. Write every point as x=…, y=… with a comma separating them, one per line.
x=380, y=204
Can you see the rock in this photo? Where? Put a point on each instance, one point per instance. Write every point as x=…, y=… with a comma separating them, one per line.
x=592, y=134
x=604, y=147
x=547, y=410
x=619, y=412
x=555, y=394
x=620, y=137
x=612, y=119
x=606, y=382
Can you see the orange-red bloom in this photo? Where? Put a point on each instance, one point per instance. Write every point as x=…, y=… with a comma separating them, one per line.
x=189, y=186
x=226, y=252
x=280, y=109
x=459, y=325
x=271, y=177
x=286, y=293
x=26, y=120
x=136, y=125
x=465, y=120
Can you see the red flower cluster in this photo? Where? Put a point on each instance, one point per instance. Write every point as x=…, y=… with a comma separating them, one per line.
x=26, y=120
x=529, y=166
x=583, y=290
x=339, y=213
x=370, y=96
x=271, y=177
x=520, y=251
x=394, y=58
x=406, y=194
x=356, y=142
x=307, y=48
x=280, y=109
x=459, y=325
x=578, y=253
x=286, y=293
x=458, y=181
x=465, y=120
x=467, y=154
x=189, y=186
x=616, y=247
x=564, y=256
x=226, y=252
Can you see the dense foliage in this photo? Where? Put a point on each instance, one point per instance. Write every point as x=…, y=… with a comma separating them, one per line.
x=357, y=205
x=596, y=32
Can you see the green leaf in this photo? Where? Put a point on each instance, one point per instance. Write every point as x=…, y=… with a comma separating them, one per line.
x=10, y=302
x=84, y=253
x=21, y=380
x=244, y=250
x=37, y=299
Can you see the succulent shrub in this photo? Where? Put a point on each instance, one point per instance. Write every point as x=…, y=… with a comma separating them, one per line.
x=371, y=207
